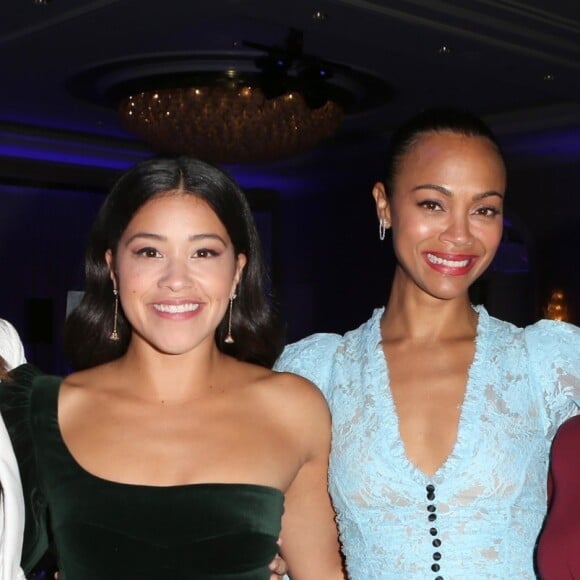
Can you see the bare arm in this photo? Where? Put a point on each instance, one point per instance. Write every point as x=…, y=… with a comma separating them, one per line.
x=309, y=535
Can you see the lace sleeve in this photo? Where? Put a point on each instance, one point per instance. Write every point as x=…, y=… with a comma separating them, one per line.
x=310, y=358
x=15, y=407
x=554, y=358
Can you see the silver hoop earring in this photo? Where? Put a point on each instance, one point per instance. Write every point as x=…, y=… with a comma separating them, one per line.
x=114, y=336
x=229, y=339
x=382, y=229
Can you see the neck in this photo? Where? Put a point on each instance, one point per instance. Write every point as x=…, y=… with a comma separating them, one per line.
x=169, y=378
x=413, y=314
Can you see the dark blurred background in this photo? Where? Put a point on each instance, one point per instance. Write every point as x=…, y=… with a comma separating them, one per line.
x=62, y=145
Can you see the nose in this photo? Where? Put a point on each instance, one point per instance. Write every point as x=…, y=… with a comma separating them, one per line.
x=176, y=275
x=457, y=231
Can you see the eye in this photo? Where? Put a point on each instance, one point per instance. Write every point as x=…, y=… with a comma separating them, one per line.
x=148, y=252
x=488, y=211
x=205, y=253
x=430, y=205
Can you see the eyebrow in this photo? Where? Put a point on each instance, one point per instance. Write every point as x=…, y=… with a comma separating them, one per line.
x=160, y=238
x=449, y=193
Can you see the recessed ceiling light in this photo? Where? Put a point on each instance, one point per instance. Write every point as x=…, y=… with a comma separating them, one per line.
x=549, y=77
x=319, y=15
x=444, y=49
x=40, y=2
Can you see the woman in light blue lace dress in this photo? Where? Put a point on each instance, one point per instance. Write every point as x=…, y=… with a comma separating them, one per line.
x=442, y=415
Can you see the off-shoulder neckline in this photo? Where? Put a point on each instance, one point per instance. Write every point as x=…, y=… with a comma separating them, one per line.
x=40, y=384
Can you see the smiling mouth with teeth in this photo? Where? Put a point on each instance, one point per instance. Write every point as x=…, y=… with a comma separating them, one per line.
x=448, y=263
x=176, y=308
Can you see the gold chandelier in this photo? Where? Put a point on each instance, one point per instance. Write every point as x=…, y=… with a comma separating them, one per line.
x=228, y=122
x=234, y=107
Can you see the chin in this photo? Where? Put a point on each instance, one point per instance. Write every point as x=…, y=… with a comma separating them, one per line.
x=175, y=350
x=450, y=287
x=174, y=347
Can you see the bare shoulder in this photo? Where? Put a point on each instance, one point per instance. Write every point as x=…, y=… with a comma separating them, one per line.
x=288, y=393
x=87, y=381
x=289, y=385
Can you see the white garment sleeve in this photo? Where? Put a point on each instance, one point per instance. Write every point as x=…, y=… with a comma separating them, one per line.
x=11, y=348
x=11, y=511
x=11, y=499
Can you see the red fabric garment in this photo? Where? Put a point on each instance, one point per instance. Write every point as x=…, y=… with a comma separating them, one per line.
x=558, y=555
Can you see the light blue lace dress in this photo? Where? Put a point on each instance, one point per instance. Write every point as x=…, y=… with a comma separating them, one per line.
x=480, y=514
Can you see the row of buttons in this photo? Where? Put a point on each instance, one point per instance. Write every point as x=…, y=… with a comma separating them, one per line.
x=432, y=517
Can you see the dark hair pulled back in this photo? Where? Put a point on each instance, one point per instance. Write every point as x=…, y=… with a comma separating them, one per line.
x=438, y=120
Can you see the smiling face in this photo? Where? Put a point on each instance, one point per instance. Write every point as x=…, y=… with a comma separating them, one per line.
x=445, y=211
x=175, y=269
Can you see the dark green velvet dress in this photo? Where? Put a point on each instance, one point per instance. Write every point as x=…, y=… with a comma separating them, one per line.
x=104, y=530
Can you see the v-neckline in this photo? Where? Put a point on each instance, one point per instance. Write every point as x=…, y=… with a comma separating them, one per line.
x=466, y=423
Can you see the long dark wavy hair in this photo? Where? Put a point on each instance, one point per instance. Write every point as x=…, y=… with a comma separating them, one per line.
x=255, y=327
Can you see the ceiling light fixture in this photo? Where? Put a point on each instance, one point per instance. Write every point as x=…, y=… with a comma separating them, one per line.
x=319, y=15
x=233, y=108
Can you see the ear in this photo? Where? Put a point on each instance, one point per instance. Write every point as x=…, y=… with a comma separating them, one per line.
x=110, y=263
x=241, y=261
x=382, y=203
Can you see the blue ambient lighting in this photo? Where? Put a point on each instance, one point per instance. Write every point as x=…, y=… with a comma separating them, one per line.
x=65, y=150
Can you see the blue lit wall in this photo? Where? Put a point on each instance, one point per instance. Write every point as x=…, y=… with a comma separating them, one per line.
x=42, y=238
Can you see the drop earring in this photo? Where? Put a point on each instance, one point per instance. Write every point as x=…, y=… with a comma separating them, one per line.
x=114, y=336
x=382, y=229
x=229, y=339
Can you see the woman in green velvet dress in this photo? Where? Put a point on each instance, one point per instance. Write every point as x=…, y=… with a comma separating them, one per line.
x=174, y=452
